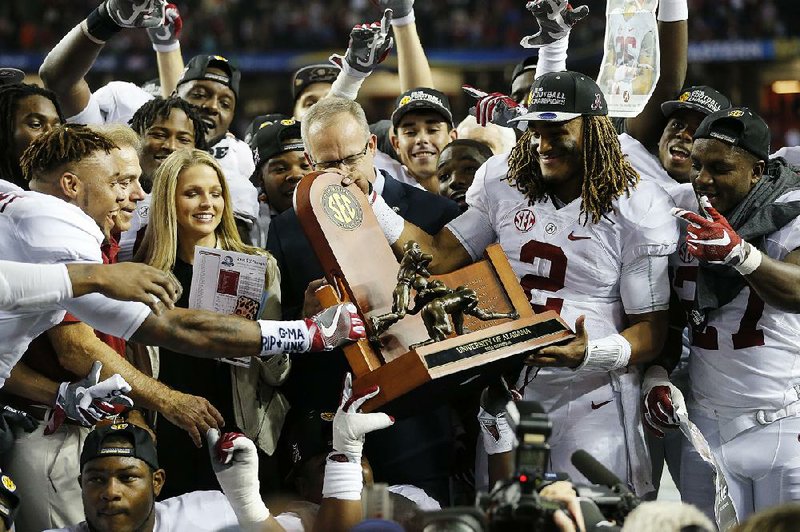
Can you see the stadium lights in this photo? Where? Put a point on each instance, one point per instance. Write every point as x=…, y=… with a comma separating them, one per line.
x=791, y=86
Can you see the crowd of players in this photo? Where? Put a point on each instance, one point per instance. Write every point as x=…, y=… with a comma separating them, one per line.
x=667, y=241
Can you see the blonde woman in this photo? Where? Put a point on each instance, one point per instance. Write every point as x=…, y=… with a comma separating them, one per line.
x=191, y=206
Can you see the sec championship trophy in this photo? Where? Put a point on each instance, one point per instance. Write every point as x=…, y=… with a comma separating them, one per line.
x=428, y=335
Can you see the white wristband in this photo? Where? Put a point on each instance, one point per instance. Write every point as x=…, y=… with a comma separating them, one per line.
x=279, y=337
x=607, y=354
x=673, y=10
x=751, y=262
x=343, y=480
x=391, y=223
x=348, y=82
x=404, y=21
x=164, y=48
x=85, y=30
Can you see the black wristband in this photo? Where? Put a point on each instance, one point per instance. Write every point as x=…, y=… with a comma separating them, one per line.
x=9, y=500
x=100, y=25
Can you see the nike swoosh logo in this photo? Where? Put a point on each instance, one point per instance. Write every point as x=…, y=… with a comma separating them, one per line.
x=572, y=237
x=598, y=405
x=328, y=331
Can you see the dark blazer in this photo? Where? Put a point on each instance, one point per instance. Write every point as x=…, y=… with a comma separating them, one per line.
x=415, y=449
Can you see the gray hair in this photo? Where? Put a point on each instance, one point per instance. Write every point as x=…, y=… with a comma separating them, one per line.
x=665, y=516
x=327, y=109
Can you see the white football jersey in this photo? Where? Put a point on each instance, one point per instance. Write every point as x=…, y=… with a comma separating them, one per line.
x=563, y=264
x=746, y=357
x=37, y=228
x=118, y=101
x=650, y=169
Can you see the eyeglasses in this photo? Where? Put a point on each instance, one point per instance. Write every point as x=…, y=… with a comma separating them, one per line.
x=347, y=162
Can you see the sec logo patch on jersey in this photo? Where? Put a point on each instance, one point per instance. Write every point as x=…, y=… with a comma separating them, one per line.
x=524, y=220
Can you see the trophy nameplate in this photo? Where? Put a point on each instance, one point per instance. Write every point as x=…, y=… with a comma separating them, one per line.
x=361, y=267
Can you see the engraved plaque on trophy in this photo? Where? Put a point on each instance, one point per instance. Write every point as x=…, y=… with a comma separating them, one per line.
x=417, y=357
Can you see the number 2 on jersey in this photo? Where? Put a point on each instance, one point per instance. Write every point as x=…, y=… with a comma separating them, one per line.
x=553, y=282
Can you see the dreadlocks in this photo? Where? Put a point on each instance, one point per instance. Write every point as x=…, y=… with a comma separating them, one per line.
x=62, y=145
x=161, y=108
x=10, y=95
x=607, y=173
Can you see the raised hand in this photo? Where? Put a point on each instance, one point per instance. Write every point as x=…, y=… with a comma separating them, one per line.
x=165, y=37
x=495, y=108
x=555, y=18
x=368, y=47
x=136, y=13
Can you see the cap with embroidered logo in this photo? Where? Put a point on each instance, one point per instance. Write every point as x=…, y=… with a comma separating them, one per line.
x=322, y=73
x=275, y=137
x=737, y=126
x=142, y=445
x=198, y=66
x=698, y=98
x=562, y=96
x=422, y=98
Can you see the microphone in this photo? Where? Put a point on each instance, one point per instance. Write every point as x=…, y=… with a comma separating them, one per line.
x=596, y=472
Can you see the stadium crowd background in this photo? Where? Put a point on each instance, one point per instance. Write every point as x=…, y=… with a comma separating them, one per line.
x=740, y=46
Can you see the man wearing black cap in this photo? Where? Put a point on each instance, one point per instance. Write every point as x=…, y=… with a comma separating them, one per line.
x=587, y=238
x=210, y=82
x=310, y=84
x=740, y=284
x=522, y=78
x=280, y=160
x=423, y=126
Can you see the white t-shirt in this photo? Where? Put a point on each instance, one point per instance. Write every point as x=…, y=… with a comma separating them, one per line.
x=38, y=228
x=746, y=357
x=116, y=103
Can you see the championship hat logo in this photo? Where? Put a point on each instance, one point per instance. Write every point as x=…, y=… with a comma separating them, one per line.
x=683, y=97
x=404, y=101
x=119, y=426
x=8, y=483
x=288, y=122
x=736, y=113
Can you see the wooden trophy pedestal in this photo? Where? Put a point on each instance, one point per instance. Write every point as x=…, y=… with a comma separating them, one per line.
x=360, y=266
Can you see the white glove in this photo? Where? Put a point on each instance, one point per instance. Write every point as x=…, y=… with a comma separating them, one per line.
x=350, y=426
x=368, y=47
x=89, y=400
x=661, y=401
x=165, y=37
x=555, y=19
x=235, y=462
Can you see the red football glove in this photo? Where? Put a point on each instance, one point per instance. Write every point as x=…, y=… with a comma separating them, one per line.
x=660, y=401
x=713, y=241
x=335, y=326
x=165, y=37
x=494, y=108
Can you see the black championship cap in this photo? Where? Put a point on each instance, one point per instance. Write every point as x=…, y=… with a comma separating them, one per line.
x=322, y=73
x=737, y=126
x=9, y=76
x=255, y=124
x=425, y=99
x=308, y=436
x=271, y=139
x=523, y=66
x=198, y=69
x=142, y=443
x=698, y=98
x=562, y=96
